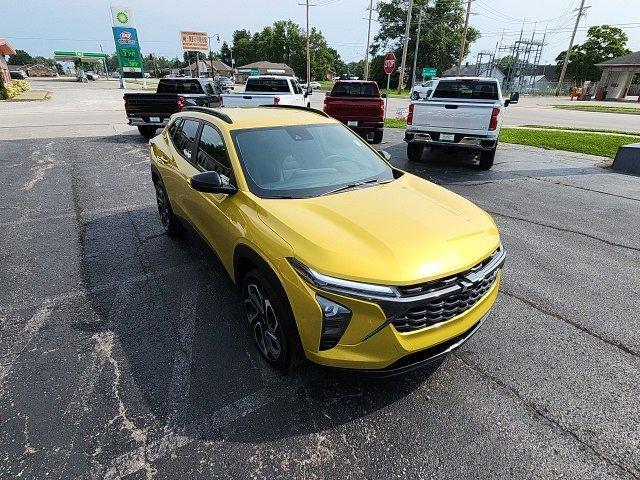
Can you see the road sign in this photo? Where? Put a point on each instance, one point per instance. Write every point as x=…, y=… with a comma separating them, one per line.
x=389, y=63
x=194, y=41
x=122, y=17
x=429, y=72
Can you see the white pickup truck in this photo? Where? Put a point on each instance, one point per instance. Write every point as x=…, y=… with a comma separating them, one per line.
x=463, y=113
x=268, y=90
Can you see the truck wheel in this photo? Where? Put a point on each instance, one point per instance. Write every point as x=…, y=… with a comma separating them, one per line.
x=377, y=136
x=414, y=151
x=147, y=131
x=486, y=158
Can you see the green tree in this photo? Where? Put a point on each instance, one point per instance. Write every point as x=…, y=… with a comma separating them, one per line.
x=440, y=36
x=603, y=43
x=20, y=58
x=225, y=54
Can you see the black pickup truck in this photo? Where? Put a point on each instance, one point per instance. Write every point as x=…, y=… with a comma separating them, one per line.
x=150, y=111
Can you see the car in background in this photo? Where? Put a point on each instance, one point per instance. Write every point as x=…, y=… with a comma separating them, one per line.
x=268, y=90
x=92, y=75
x=225, y=83
x=18, y=75
x=359, y=105
x=314, y=85
x=338, y=256
x=150, y=111
x=464, y=113
x=424, y=89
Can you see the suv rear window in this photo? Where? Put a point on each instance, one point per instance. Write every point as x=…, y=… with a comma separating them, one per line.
x=267, y=85
x=471, y=89
x=179, y=86
x=353, y=89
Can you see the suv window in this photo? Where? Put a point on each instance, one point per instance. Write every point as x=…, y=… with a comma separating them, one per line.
x=355, y=89
x=296, y=87
x=179, y=86
x=209, y=89
x=212, y=153
x=269, y=85
x=470, y=89
x=185, y=137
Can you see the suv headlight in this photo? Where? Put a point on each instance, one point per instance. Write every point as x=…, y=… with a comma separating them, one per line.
x=339, y=285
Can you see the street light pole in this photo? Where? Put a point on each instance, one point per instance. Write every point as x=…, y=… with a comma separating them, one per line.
x=463, y=43
x=415, y=55
x=406, y=45
x=366, y=52
x=566, y=55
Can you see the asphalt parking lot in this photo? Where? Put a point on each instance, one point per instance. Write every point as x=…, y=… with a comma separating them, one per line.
x=123, y=353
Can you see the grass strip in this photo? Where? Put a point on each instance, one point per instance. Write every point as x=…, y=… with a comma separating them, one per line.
x=600, y=109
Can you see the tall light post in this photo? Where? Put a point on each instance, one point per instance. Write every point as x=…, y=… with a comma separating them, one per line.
x=217, y=37
x=406, y=46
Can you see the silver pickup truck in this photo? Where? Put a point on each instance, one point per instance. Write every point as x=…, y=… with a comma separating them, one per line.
x=268, y=90
x=462, y=113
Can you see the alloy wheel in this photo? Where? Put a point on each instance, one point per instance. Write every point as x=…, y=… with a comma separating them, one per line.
x=263, y=321
x=163, y=206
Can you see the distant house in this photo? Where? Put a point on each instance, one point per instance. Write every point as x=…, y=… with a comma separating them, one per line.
x=5, y=49
x=262, y=68
x=617, y=75
x=482, y=70
x=204, y=68
x=39, y=70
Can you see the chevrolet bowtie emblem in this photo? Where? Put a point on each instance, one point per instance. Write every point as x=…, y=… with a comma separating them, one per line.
x=465, y=284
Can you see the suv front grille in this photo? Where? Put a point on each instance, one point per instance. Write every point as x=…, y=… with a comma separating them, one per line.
x=437, y=301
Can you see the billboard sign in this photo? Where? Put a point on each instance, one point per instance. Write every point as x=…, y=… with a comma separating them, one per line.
x=194, y=41
x=128, y=50
x=122, y=17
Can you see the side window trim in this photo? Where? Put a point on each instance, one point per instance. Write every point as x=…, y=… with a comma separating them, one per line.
x=196, y=140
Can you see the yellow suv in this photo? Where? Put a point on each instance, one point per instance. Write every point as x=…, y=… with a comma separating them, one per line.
x=339, y=257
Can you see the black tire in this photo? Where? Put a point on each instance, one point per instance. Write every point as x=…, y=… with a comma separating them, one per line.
x=377, y=136
x=168, y=219
x=147, y=131
x=414, y=151
x=486, y=158
x=271, y=321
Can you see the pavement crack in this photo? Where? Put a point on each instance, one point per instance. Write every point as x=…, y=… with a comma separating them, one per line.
x=568, y=230
x=573, y=323
x=537, y=410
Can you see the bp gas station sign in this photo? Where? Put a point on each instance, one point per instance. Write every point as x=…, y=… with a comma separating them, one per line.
x=125, y=36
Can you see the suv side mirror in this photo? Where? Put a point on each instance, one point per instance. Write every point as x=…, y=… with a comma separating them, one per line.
x=210, y=182
x=515, y=96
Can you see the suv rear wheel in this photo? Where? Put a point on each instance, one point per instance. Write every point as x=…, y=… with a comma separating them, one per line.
x=414, y=151
x=271, y=321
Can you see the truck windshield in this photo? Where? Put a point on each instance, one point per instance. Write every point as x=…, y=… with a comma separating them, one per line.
x=267, y=85
x=468, y=89
x=346, y=89
x=307, y=160
x=179, y=86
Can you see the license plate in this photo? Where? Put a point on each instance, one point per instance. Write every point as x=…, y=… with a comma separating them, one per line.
x=447, y=137
x=352, y=123
x=154, y=119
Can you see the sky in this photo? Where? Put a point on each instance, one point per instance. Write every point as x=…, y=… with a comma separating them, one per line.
x=41, y=26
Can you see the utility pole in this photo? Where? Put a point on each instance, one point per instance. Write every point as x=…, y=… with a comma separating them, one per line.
x=366, y=52
x=463, y=43
x=415, y=54
x=566, y=56
x=307, y=5
x=217, y=36
x=406, y=45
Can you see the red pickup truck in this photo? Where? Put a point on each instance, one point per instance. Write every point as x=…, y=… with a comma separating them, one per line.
x=359, y=105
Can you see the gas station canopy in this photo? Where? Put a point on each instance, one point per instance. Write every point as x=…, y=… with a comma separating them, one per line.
x=87, y=57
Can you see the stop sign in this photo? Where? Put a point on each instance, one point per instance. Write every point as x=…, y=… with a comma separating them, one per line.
x=389, y=63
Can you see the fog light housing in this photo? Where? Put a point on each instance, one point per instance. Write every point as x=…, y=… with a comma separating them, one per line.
x=335, y=320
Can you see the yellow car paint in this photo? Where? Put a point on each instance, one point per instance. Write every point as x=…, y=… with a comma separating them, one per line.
x=405, y=232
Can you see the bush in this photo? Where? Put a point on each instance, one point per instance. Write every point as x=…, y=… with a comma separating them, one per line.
x=13, y=88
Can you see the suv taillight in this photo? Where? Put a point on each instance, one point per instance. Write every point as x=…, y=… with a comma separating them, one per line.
x=276, y=100
x=493, y=123
x=181, y=102
x=410, y=116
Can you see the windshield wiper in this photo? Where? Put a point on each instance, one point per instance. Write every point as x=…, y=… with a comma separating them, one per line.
x=351, y=185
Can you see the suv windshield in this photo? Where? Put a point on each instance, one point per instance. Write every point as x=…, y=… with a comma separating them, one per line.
x=306, y=160
x=355, y=89
x=470, y=89
x=268, y=85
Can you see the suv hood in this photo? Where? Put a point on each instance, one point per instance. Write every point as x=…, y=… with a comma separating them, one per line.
x=404, y=232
